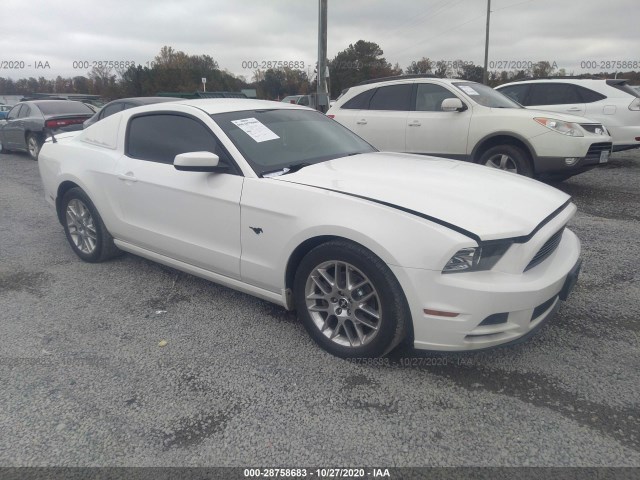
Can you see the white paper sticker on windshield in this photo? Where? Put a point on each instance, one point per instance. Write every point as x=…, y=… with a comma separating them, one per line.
x=468, y=90
x=255, y=129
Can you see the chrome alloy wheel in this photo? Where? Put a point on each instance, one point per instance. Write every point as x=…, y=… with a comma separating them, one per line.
x=343, y=303
x=502, y=161
x=81, y=226
x=33, y=146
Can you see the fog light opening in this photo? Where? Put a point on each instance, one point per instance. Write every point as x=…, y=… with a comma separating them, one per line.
x=440, y=313
x=570, y=160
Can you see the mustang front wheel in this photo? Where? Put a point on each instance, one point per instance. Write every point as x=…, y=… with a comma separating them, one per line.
x=349, y=301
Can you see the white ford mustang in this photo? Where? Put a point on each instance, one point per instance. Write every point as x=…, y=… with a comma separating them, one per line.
x=285, y=204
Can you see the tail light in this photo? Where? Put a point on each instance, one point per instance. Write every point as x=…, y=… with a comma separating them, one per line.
x=331, y=116
x=63, y=122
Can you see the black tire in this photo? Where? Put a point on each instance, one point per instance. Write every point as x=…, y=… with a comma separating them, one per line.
x=84, y=229
x=387, y=299
x=509, y=158
x=34, y=144
x=3, y=149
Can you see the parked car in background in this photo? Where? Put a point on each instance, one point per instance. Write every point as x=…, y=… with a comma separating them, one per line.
x=123, y=104
x=281, y=202
x=469, y=121
x=292, y=99
x=613, y=102
x=4, y=110
x=28, y=123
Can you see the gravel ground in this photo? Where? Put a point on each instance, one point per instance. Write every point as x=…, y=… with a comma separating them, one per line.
x=239, y=383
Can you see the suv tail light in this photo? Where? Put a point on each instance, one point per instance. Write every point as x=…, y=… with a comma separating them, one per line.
x=331, y=116
x=635, y=105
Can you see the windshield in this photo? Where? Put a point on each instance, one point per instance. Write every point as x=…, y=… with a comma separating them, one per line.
x=486, y=96
x=283, y=138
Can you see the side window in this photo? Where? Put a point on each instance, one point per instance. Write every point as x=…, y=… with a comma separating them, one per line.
x=159, y=138
x=554, y=94
x=304, y=100
x=516, y=92
x=13, y=114
x=111, y=109
x=429, y=97
x=359, y=102
x=393, y=97
x=25, y=112
x=588, y=95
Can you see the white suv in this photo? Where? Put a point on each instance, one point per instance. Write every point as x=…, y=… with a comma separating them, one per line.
x=614, y=103
x=470, y=121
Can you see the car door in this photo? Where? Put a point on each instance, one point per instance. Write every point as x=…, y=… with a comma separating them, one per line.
x=556, y=97
x=11, y=130
x=193, y=217
x=432, y=130
x=384, y=123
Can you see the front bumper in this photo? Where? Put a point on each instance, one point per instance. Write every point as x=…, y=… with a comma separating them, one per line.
x=597, y=154
x=495, y=307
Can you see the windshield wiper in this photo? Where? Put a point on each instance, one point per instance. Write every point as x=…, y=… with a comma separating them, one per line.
x=284, y=170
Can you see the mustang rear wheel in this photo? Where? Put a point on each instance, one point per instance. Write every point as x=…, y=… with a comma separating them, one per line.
x=84, y=228
x=508, y=158
x=349, y=301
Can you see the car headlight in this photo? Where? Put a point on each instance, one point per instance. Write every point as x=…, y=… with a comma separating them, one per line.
x=472, y=259
x=565, y=128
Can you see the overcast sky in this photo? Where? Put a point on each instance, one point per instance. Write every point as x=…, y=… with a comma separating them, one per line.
x=572, y=33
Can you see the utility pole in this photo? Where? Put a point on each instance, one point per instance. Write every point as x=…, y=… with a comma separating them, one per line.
x=485, y=75
x=322, y=98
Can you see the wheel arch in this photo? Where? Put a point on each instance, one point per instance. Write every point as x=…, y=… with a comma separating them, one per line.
x=504, y=138
x=309, y=244
x=63, y=188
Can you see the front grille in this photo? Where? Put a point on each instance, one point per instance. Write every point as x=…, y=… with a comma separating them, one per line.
x=596, y=148
x=547, y=249
x=596, y=128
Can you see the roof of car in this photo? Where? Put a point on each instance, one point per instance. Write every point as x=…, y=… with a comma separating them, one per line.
x=51, y=101
x=147, y=100
x=223, y=105
x=397, y=77
x=609, y=81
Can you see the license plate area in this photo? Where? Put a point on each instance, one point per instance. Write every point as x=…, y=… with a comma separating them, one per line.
x=604, y=156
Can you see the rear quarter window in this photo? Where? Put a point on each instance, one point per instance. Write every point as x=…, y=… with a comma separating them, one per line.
x=360, y=101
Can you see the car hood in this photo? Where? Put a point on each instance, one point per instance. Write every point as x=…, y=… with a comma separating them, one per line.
x=489, y=203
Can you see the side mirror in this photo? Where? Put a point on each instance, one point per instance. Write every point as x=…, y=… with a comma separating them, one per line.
x=199, y=162
x=453, y=105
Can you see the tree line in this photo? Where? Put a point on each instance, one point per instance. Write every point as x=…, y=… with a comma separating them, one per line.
x=176, y=71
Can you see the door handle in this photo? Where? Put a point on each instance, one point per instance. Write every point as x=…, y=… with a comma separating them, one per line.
x=361, y=122
x=415, y=124
x=127, y=177
x=574, y=109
